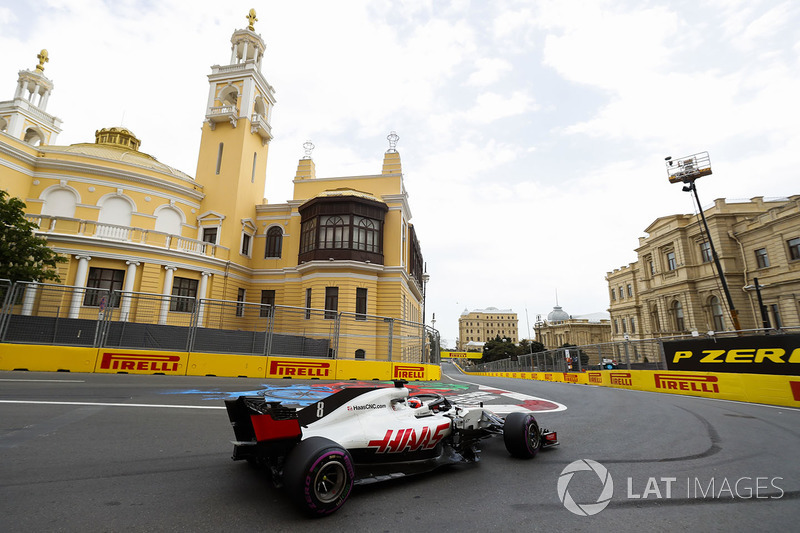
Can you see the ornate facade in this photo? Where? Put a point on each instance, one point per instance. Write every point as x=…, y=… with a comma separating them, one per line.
x=562, y=328
x=129, y=222
x=673, y=287
x=481, y=325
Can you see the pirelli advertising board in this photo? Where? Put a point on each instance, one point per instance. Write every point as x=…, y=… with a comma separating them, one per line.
x=763, y=354
x=141, y=362
x=461, y=355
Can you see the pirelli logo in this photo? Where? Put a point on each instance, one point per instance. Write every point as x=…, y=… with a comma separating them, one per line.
x=299, y=369
x=596, y=378
x=548, y=376
x=409, y=372
x=687, y=382
x=621, y=378
x=570, y=378
x=123, y=362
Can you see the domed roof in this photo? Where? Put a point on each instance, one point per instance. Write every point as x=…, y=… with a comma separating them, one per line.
x=347, y=191
x=557, y=315
x=119, y=144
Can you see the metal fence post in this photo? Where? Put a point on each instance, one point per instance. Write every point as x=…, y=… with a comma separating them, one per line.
x=337, y=325
x=391, y=337
x=193, y=321
x=627, y=354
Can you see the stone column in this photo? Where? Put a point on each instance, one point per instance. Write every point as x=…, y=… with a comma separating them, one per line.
x=80, y=281
x=130, y=278
x=201, y=294
x=167, y=292
x=30, y=298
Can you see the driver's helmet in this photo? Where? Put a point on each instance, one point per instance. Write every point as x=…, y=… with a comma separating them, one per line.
x=414, y=403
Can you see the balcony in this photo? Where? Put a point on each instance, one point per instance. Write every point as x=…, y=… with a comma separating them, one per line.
x=223, y=113
x=258, y=124
x=100, y=232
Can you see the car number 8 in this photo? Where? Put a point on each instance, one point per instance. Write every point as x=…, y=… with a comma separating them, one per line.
x=320, y=409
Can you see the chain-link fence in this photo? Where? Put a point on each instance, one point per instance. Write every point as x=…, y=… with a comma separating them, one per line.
x=38, y=313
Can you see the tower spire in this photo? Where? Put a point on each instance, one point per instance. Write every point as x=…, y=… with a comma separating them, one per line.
x=251, y=18
x=24, y=117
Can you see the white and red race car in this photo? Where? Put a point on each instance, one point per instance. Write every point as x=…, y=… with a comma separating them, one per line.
x=368, y=434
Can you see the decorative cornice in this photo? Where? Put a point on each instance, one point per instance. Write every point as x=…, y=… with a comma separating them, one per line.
x=97, y=170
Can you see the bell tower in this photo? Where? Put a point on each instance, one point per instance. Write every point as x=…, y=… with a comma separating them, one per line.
x=232, y=163
x=24, y=117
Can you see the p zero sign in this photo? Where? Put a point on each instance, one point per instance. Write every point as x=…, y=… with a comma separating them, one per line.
x=762, y=354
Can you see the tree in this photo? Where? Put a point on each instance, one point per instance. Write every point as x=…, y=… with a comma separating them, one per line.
x=497, y=349
x=23, y=255
x=528, y=346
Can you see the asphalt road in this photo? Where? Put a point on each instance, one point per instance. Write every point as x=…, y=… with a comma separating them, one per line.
x=97, y=452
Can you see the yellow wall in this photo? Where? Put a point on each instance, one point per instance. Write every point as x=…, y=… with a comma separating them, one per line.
x=753, y=388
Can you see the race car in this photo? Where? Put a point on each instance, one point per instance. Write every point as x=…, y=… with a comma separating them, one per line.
x=367, y=434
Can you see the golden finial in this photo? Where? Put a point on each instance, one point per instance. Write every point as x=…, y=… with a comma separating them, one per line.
x=251, y=17
x=42, y=57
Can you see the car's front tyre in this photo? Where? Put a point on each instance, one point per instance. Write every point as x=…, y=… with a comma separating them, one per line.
x=521, y=435
x=318, y=476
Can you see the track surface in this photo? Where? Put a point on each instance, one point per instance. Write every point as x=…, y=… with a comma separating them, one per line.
x=152, y=453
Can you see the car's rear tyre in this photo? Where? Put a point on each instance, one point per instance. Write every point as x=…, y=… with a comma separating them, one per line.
x=521, y=435
x=318, y=476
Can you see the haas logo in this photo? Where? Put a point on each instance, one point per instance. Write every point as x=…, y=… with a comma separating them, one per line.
x=401, y=440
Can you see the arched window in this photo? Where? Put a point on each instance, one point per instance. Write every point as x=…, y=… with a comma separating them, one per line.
x=33, y=137
x=274, y=242
x=168, y=220
x=331, y=232
x=677, y=314
x=229, y=96
x=365, y=234
x=115, y=217
x=654, y=318
x=716, y=314
x=259, y=107
x=59, y=202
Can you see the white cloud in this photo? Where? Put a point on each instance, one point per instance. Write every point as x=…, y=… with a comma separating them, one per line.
x=488, y=71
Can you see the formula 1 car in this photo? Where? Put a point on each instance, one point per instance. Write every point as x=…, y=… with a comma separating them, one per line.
x=368, y=434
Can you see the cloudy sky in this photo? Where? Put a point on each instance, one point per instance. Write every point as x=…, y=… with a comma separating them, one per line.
x=532, y=133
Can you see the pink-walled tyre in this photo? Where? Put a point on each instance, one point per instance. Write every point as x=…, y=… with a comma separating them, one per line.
x=521, y=435
x=318, y=476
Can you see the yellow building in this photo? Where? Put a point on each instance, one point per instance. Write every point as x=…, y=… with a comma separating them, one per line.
x=482, y=325
x=673, y=287
x=128, y=222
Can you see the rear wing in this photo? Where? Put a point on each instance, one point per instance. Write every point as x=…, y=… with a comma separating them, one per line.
x=257, y=420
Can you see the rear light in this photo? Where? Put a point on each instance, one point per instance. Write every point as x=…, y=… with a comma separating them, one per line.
x=551, y=436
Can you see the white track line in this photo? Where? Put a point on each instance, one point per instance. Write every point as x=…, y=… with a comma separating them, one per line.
x=163, y=406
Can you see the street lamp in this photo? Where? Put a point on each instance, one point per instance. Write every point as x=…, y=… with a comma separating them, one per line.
x=686, y=170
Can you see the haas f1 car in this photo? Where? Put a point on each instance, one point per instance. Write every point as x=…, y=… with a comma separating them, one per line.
x=368, y=434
